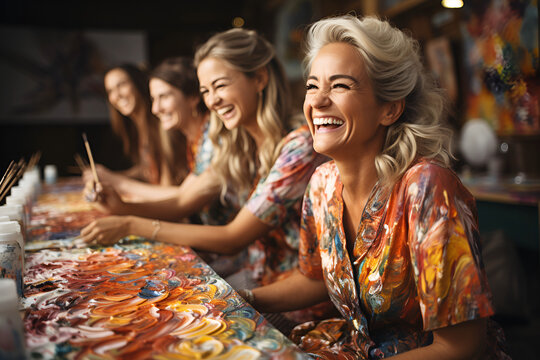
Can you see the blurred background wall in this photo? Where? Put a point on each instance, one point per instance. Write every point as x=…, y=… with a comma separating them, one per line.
x=485, y=55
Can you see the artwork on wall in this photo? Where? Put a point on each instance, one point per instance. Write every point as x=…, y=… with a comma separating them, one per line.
x=501, y=47
x=57, y=75
x=291, y=21
x=387, y=4
x=441, y=64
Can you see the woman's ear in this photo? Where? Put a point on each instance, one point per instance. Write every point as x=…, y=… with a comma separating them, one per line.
x=261, y=76
x=392, y=112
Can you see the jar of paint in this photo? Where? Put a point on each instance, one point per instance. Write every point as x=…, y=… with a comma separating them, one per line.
x=12, y=254
x=15, y=212
x=12, y=343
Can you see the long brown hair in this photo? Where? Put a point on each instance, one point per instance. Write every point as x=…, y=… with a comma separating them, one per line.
x=181, y=73
x=125, y=128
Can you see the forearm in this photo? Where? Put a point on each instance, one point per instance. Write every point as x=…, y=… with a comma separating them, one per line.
x=166, y=210
x=466, y=340
x=141, y=191
x=295, y=292
x=226, y=239
x=188, y=199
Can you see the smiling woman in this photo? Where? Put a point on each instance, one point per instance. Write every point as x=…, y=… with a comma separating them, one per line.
x=131, y=119
x=143, y=138
x=121, y=92
x=388, y=230
x=340, y=102
x=238, y=58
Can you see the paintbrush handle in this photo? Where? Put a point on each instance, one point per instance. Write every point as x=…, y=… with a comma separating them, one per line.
x=92, y=164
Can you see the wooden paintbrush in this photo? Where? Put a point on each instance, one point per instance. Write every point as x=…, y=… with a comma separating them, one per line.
x=12, y=174
x=34, y=159
x=91, y=159
x=8, y=170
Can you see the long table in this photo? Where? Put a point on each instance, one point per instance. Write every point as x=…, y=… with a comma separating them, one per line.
x=135, y=300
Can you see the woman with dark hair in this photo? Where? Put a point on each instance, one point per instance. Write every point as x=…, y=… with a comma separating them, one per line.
x=144, y=141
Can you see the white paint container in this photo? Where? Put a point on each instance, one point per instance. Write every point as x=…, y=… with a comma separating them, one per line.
x=12, y=254
x=12, y=346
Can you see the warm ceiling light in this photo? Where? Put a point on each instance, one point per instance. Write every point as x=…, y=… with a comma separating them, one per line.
x=452, y=4
x=238, y=22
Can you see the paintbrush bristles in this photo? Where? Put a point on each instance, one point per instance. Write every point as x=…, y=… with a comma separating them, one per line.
x=90, y=158
x=11, y=164
x=10, y=178
x=81, y=162
x=34, y=159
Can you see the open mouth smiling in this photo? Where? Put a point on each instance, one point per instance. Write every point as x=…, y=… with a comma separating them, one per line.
x=327, y=122
x=225, y=110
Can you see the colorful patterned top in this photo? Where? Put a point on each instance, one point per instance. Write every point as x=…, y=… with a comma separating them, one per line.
x=277, y=201
x=200, y=154
x=416, y=265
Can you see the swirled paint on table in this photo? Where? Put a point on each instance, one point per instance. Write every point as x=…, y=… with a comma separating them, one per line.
x=139, y=300
x=135, y=300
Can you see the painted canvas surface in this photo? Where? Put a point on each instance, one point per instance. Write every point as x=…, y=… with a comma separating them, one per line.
x=134, y=300
x=501, y=47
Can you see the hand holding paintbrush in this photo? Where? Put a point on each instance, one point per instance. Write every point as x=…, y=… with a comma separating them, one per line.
x=94, y=193
x=104, y=195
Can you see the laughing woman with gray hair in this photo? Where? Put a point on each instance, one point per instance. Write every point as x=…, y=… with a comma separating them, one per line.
x=388, y=231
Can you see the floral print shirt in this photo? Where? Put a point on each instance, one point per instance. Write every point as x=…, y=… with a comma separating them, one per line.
x=277, y=201
x=416, y=262
x=200, y=151
x=200, y=154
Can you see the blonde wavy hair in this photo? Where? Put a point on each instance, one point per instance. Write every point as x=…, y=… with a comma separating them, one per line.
x=237, y=160
x=396, y=72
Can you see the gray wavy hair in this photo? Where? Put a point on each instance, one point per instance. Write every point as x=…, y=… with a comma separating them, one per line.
x=393, y=65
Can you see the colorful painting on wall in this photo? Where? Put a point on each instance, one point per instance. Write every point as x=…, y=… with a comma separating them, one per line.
x=502, y=64
x=57, y=75
x=441, y=63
